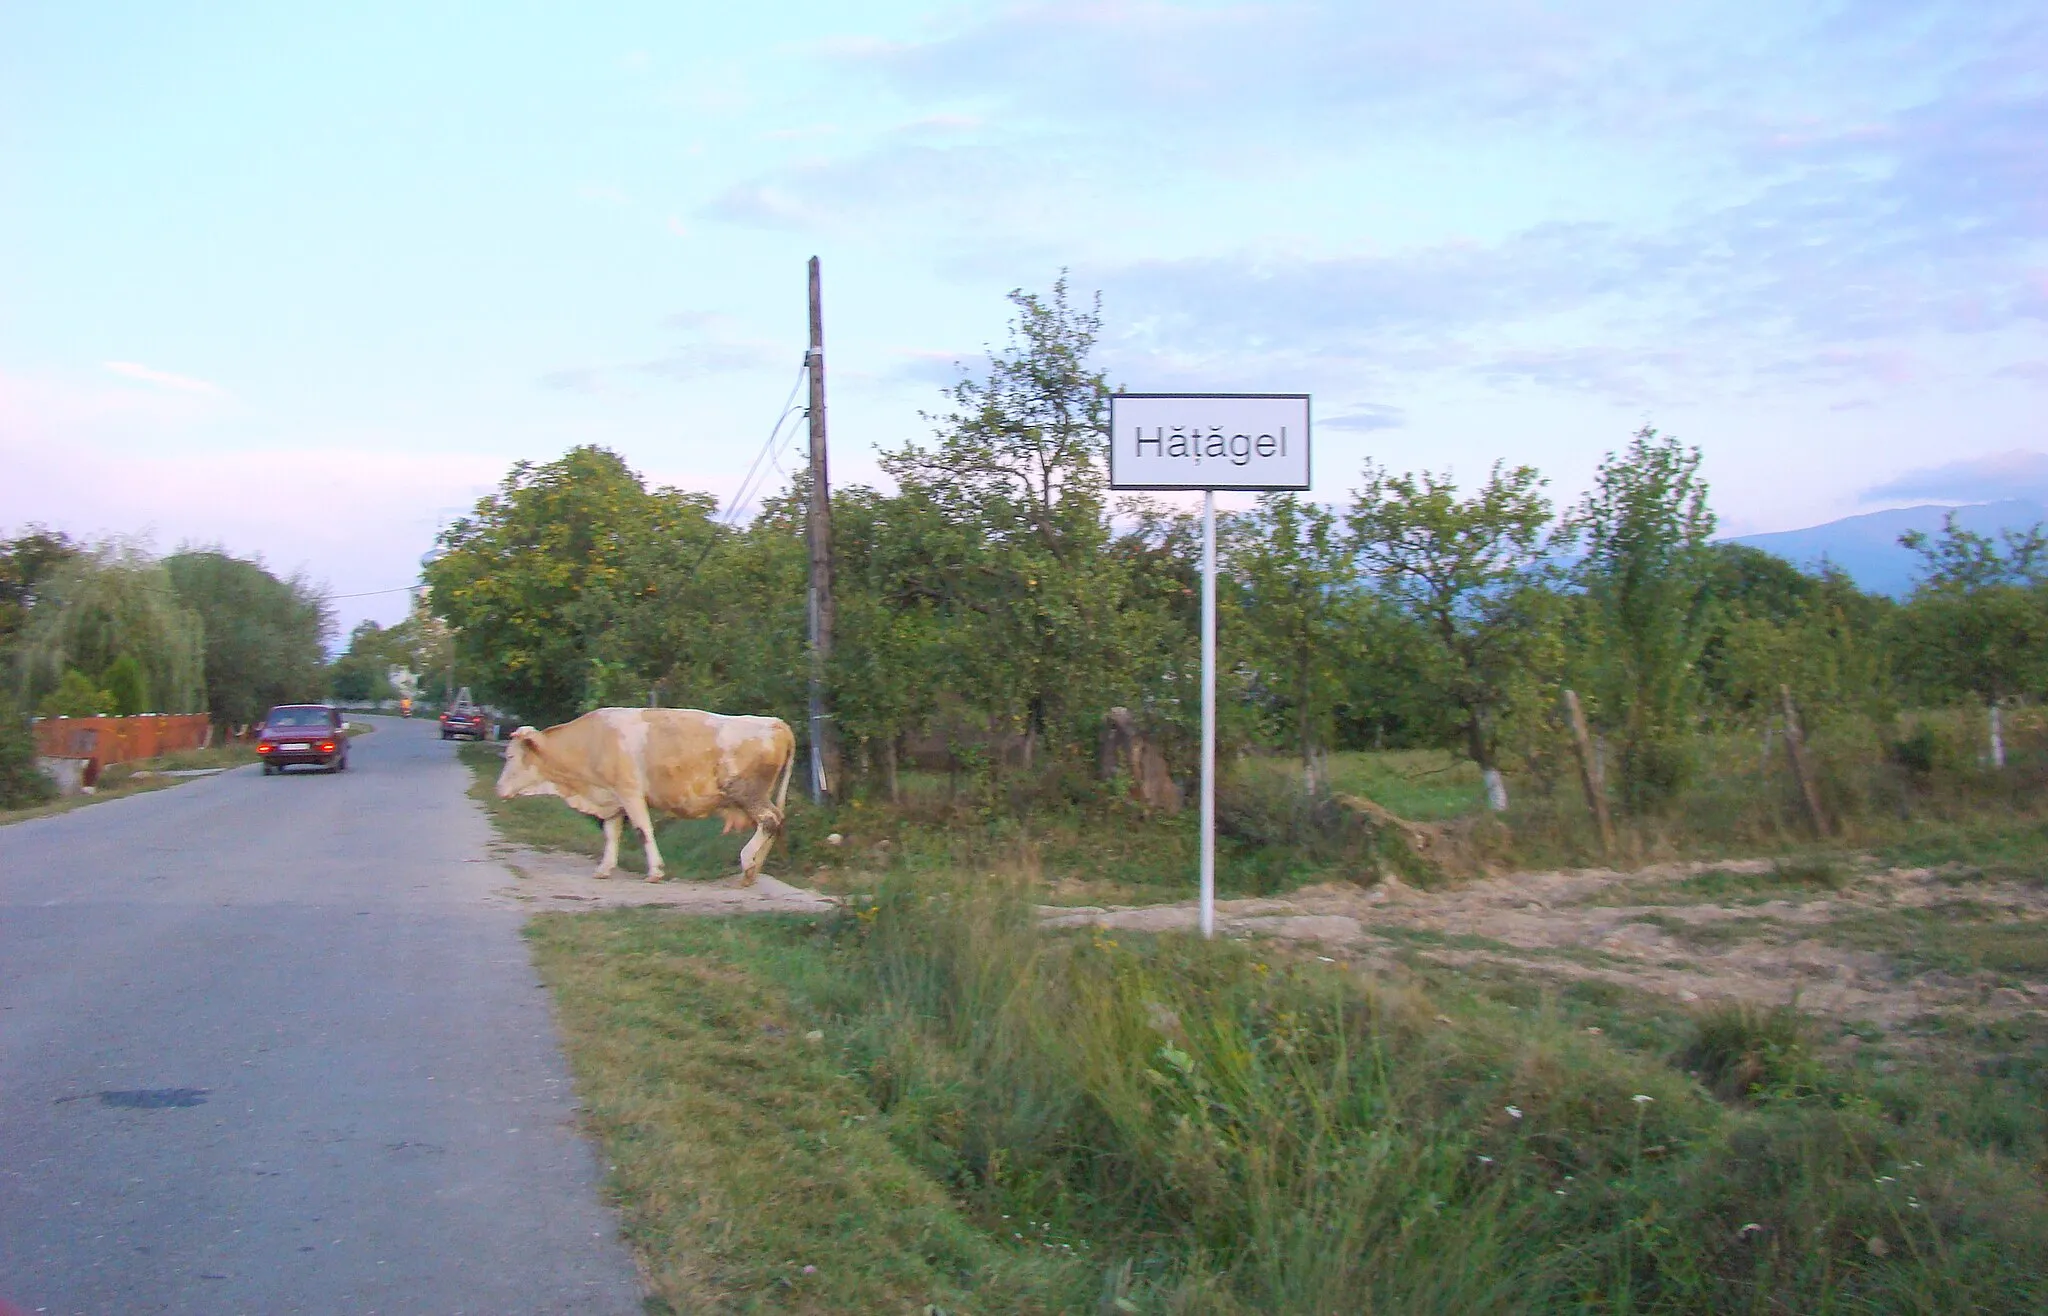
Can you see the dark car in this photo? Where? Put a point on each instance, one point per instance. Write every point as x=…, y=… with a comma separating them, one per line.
x=463, y=718
x=303, y=733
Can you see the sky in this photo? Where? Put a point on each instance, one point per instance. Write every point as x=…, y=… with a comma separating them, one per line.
x=303, y=281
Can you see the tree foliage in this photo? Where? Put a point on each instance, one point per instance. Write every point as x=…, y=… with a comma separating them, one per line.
x=1471, y=572
x=1294, y=613
x=106, y=603
x=265, y=637
x=1646, y=573
x=993, y=606
x=529, y=581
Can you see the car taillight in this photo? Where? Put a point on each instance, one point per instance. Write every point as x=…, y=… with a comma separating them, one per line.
x=326, y=747
x=265, y=749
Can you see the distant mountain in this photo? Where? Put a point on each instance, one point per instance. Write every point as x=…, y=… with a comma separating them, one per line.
x=1867, y=546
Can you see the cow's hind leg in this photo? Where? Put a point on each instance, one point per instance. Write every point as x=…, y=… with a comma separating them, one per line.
x=637, y=811
x=611, y=848
x=767, y=826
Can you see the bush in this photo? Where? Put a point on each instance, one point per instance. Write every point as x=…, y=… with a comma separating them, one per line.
x=76, y=696
x=1918, y=752
x=127, y=686
x=22, y=783
x=1655, y=773
x=1741, y=1051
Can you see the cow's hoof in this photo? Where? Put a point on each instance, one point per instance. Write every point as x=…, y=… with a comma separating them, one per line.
x=602, y=873
x=657, y=877
x=748, y=879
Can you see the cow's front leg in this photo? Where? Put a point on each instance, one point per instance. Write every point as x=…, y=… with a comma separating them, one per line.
x=611, y=848
x=637, y=810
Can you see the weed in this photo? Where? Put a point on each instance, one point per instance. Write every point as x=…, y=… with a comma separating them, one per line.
x=1740, y=1051
x=1180, y=1125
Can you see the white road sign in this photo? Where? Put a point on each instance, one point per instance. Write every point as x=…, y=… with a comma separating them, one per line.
x=1208, y=441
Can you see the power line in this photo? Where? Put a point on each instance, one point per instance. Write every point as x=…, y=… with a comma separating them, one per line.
x=748, y=487
x=396, y=589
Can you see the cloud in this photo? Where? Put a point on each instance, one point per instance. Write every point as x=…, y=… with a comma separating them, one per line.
x=1811, y=189
x=939, y=369
x=760, y=205
x=2016, y=474
x=582, y=380
x=1365, y=417
x=701, y=359
x=2033, y=371
x=165, y=379
x=718, y=349
x=1209, y=65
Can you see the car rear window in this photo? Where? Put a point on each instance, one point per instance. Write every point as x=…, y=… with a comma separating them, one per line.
x=300, y=717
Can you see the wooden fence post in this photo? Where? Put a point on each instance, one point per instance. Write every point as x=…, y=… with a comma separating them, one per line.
x=1795, y=748
x=1590, y=774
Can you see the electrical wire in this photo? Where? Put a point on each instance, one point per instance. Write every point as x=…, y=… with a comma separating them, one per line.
x=749, y=486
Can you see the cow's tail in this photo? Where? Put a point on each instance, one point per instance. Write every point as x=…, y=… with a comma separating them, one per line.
x=788, y=768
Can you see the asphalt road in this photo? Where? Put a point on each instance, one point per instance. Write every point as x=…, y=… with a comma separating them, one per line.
x=264, y=1048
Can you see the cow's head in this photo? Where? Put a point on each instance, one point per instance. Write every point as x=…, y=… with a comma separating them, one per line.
x=523, y=774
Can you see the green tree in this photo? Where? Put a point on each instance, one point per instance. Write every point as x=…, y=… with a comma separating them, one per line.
x=1291, y=575
x=361, y=673
x=1777, y=625
x=1977, y=624
x=127, y=686
x=22, y=782
x=1015, y=479
x=1960, y=561
x=1647, y=571
x=889, y=662
x=1470, y=572
x=106, y=602
x=531, y=579
x=265, y=637
x=77, y=695
x=27, y=563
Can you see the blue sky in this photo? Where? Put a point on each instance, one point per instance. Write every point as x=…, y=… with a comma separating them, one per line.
x=304, y=283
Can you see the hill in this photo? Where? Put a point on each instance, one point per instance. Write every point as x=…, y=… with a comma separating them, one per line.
x=1867, y=546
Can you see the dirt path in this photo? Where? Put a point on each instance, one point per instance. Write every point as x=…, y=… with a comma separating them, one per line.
x=545, y=879
x=1830, y=950
x=1833, y=951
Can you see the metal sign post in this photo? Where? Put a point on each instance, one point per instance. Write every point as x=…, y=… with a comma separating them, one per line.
x=1209, y=441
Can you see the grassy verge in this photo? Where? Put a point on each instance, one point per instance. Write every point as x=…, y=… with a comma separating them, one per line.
x=751, y=1170
x=994, y=1117
x=121, y=780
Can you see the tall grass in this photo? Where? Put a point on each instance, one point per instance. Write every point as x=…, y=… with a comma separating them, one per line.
x=1222, y=1133
x=1880, y=783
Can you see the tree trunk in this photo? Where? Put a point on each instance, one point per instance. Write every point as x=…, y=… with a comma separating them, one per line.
x=889, y=770
x=1482, y=754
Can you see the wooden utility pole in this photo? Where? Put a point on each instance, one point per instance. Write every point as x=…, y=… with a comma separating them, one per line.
x=1589, y=771
x=824, y=745
x=1795, y=749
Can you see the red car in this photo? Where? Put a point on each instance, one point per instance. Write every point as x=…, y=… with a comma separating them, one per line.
x=303, y=733
x=465, y=719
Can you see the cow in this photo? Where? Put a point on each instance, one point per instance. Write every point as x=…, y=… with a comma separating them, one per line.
x=622, y=762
